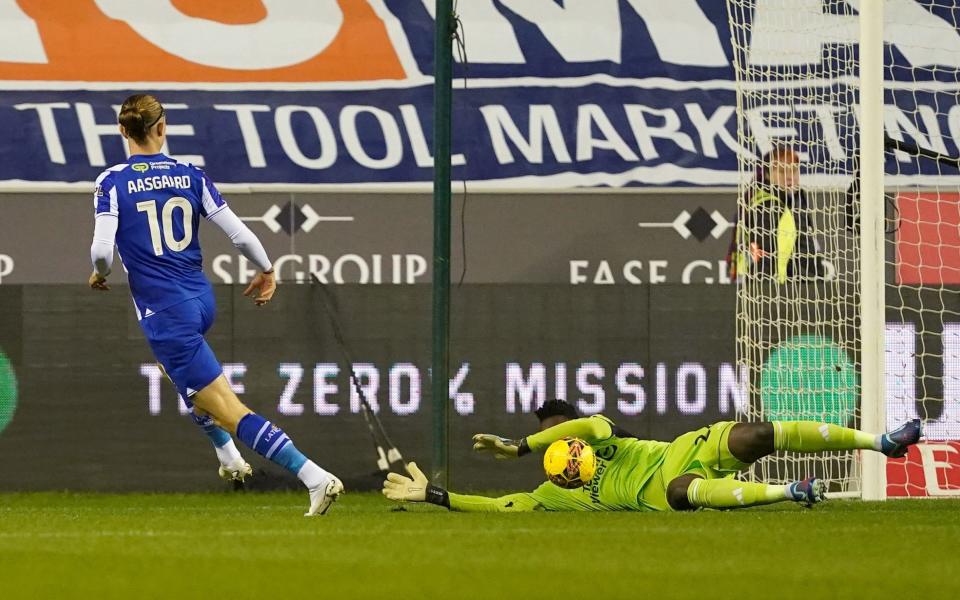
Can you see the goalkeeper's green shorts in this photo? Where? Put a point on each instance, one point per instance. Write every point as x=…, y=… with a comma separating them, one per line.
x=703, y=452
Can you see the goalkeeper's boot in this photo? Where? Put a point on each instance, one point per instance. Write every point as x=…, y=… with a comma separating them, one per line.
x=810, y=491
x=323, y=495
x=236, y=471
x=896, y=443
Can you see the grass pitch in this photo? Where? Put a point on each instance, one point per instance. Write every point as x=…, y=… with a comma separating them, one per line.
x=258, y=545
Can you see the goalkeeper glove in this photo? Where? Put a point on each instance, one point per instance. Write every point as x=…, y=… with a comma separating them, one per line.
x=500, y=447
x=415, y=488
x=404, y=489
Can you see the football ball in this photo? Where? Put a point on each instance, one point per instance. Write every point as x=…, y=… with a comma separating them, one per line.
x=569, y=463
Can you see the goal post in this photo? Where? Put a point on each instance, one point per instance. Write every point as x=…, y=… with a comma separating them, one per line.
x=440, y=348
x=872, y=245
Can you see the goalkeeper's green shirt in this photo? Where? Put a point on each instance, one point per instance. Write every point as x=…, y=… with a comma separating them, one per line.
x=624, y=465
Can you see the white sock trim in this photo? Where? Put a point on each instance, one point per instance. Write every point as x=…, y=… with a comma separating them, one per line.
x=228, y=454
x=312, y=475
x=693, y=492
x=788, y=492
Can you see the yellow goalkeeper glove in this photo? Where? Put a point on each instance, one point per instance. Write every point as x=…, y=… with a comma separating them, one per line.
x=415, y=488
x=501, y=447
x=404, y=489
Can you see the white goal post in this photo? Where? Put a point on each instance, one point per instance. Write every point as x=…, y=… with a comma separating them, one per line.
x=872, y=251
x=848, y=243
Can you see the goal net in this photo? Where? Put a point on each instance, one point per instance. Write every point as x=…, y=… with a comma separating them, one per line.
x=802, y=330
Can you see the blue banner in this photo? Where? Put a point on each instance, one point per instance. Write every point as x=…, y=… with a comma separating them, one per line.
x=551, y=94
x=590, y=134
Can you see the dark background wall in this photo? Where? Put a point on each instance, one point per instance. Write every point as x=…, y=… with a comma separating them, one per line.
x=618, y=238
x=615, y=301
x=85, y=418
x=616, y=329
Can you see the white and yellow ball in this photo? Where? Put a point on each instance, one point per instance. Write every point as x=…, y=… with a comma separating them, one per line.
x=569, y=463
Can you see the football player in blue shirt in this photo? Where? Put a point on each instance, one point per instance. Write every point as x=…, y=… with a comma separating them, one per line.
x=150, y=207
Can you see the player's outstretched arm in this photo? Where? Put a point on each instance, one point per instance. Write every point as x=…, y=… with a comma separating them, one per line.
x=521, y=502
x=590, y=429
x=264, y=284
x=417, y=488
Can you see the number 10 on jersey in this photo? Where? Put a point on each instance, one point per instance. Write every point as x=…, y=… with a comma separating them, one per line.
x=169, y=236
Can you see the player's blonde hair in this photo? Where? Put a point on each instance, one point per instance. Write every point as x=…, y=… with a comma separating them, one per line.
x=139, y=114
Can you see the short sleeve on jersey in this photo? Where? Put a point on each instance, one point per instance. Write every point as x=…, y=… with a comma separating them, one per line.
x=211, y=200
x=105, y=196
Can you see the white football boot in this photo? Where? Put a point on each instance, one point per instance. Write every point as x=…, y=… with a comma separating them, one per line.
x=238, y=470
x=323, y=495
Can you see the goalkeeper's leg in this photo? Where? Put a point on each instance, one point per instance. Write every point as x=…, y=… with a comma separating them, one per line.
x=689, y=492
x=749, y=442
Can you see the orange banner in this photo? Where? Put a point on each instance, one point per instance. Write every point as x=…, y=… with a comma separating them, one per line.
x=196, y=41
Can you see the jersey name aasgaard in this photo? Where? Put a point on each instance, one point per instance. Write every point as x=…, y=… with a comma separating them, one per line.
x=624, y=466
x=148, y=184
x=158, y=203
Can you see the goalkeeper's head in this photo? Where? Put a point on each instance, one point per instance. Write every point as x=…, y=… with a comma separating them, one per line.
x=555, y=412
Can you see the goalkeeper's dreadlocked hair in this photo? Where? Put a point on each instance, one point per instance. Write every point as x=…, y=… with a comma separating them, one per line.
x=561, y=408
x=555, y=408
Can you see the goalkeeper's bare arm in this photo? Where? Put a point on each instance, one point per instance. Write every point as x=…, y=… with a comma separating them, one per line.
x=694, y=471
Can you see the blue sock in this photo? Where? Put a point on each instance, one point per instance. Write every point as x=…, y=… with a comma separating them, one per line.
x=269, y=441
x=218, y=436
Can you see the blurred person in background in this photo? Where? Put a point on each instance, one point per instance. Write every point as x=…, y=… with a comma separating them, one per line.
x=773, y=236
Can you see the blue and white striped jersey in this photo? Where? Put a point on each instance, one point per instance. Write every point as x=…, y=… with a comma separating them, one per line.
x=158, y=202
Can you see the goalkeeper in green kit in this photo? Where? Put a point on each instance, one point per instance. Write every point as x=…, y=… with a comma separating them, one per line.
x=693, y=471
